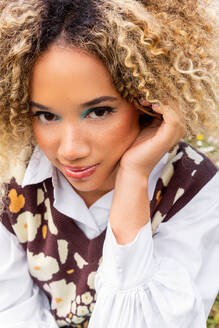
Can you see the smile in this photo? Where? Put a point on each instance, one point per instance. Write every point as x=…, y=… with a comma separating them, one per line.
x=79, y=174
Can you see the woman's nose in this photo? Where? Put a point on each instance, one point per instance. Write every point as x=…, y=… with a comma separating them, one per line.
x=73, y=145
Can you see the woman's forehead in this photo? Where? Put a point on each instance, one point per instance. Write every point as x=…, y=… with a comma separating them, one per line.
x=70, y=72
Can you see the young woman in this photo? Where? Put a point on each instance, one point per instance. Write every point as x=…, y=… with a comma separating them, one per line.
x=108, y=218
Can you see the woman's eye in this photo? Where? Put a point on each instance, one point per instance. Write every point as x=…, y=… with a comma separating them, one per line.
x=99, y=112
x=46, y=117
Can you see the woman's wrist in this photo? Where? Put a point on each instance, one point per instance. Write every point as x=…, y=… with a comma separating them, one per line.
x=130, y=209
x=131, y=175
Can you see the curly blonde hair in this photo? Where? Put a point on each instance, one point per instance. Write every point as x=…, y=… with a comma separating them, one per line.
x=156, y=50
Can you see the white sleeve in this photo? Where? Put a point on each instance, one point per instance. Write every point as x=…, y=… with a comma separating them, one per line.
x=22, y=303
x=169, y=280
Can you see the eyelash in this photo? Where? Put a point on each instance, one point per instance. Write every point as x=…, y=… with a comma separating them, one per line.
x=97, y=110
x=39, y=113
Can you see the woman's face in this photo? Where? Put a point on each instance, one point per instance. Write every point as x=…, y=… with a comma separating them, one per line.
x=79, y=118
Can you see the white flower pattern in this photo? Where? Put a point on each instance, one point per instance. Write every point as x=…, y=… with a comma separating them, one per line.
x=157, y=219
x=80, y=261
x=82, y=310
x=90, y=279
x=63, y=250
x=40, y=196
x=78, y=299
x=73, y=307
x=179, y=193
x=41, y=266
x=63, y=294
x=77, y=320
x=196, y=157
x=27, y=226
x=49, y=218
x=61, y=323
x=86, y=298
x=92, y=307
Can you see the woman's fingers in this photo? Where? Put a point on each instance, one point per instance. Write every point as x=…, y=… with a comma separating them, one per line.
x=144, y=102
x=171, y=113
x=155, y=140
x=173, y=127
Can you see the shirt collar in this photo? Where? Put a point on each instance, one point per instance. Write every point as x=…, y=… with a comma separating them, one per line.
x=39, y=168
x=66, y=199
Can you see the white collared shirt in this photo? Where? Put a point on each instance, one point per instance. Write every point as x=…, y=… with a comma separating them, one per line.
x=93, y=220
x=169, y=280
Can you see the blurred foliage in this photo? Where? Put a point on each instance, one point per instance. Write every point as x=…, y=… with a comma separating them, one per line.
x=208, y=146
x=213, y=319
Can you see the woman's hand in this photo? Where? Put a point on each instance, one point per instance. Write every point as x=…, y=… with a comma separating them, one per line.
x=154, y=140
x=131, y=211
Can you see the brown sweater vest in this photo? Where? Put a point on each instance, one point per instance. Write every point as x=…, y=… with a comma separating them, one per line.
x=62, y=260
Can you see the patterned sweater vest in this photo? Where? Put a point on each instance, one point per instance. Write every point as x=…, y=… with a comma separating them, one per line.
x=62, y=260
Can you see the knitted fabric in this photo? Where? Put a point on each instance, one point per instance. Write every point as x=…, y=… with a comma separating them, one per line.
x=62, y=260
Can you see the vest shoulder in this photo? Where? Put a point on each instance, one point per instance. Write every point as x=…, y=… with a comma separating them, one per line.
x=187, y=157
x=186, y=172
x=19, y=199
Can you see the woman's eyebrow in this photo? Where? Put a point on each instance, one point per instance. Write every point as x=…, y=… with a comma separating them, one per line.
x=34, y=104
x=97, y=101
x=86, y=104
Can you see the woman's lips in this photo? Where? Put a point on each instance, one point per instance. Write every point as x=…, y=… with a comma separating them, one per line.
x=79, y=174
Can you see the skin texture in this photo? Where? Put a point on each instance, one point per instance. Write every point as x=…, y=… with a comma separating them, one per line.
x=131, y=211
x=62, y=79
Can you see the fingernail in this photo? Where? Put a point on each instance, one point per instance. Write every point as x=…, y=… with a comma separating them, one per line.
x=156, y=105
x=145, y=102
